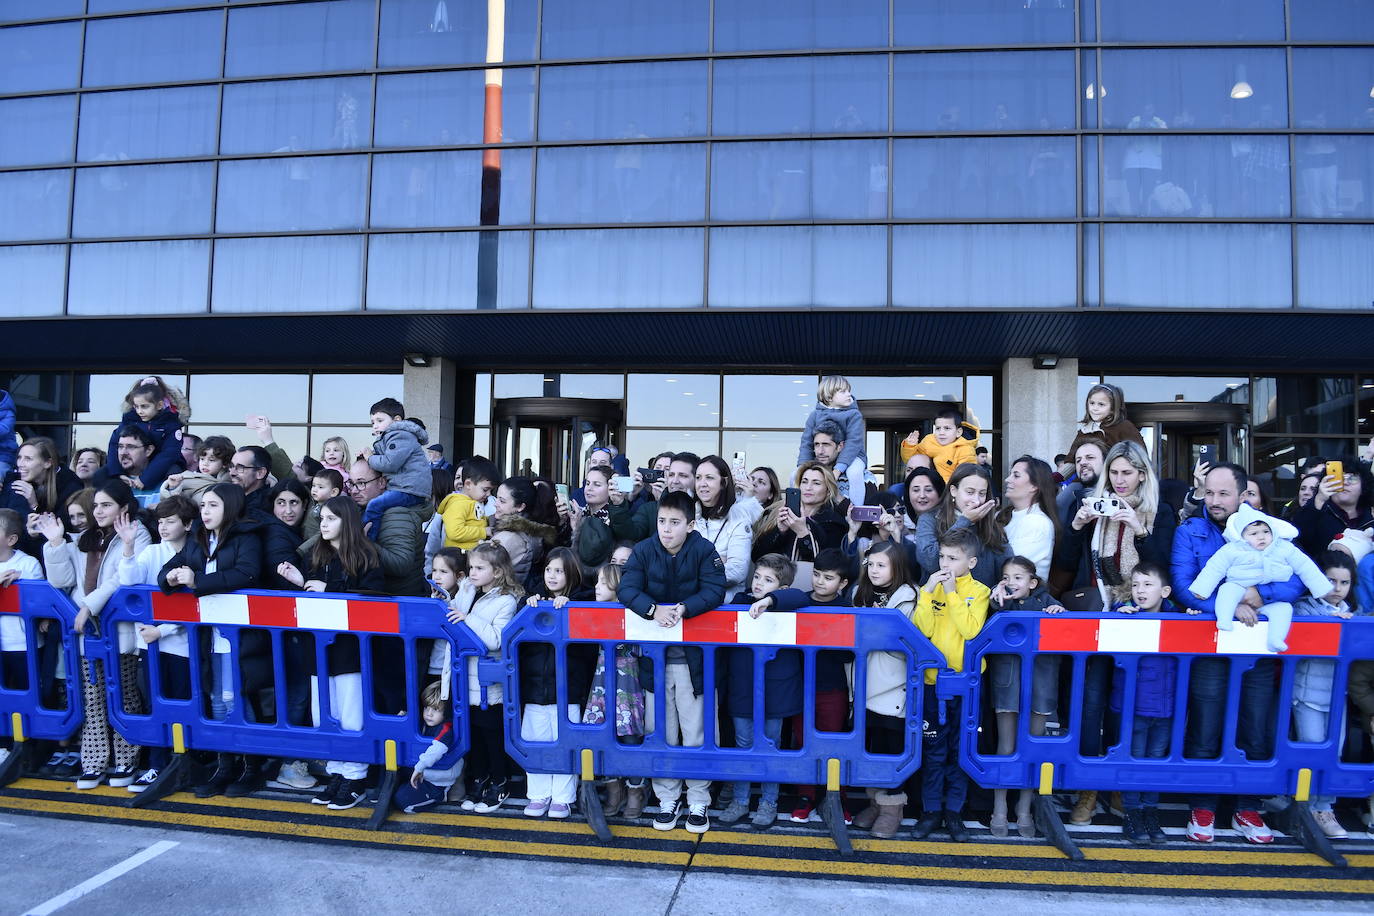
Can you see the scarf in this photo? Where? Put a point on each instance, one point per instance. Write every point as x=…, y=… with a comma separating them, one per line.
x=94, y=559
x=1115, y=555
x=1092, y=426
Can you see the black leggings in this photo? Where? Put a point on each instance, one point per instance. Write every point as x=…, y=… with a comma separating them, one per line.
x=487, y=758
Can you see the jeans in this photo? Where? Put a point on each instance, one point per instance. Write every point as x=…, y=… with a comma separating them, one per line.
x=1311, y=724
x=391, y=499
x=1207, y=717
x=854, y=477
x=944, y=784
x=1099, y=723
x=1150, y=741
x=222, y=686
x=744, y=737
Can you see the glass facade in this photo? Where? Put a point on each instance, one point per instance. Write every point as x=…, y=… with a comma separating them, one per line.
x=338, y=155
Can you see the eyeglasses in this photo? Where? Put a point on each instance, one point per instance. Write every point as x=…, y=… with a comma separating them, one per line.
x=243, y=467
x=356, y=484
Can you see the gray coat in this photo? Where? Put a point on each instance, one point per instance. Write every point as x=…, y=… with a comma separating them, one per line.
x=850, y=421
x=399, y=453
x=1314, y=678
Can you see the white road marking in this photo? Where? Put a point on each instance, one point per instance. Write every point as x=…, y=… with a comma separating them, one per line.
x=100, y=880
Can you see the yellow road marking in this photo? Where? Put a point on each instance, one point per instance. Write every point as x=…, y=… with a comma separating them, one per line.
x=1028, y=877
x=354, y=834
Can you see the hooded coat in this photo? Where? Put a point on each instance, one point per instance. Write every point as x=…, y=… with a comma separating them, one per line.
x=524, y=539
x=165, y=428
x=399, y=453
x=1241, y=564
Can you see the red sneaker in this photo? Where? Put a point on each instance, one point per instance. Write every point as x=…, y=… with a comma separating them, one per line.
x=1201, y=826
x=802, y=813
x=1250, y=825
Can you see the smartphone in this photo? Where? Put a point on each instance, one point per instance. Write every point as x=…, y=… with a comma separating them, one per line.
x=443, y=592
x=1337, y=470
x=1208, y=455
x=866, y=513
x=792, y=499
x=562, y=490
x=738, y=467
x=253, y=420
x=626, y=485
x=650, y=475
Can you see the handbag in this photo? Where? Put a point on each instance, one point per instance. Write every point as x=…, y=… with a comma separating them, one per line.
x=805, y=568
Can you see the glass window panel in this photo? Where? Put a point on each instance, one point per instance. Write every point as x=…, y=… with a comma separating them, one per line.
x=1093, y=90
x=519, y=385
x=297, y=115
x=1183, y=20
x=441, y=109
x=981, y=22
x=772, y=401
x=481, y=398
x=794, y=179
x=1331, y=20
x=32, y=280
x=354, y=436
x=40, y=397
x=288, y=274
x=425, y=32
x=618, y=268
x=227, y=398
x=1332, y=86
x=37, y=57
x=984, y=266
x=1335, y=176
x=293, y=193
x=1198, y=266
x=1364, y=407
x=978, y=401
x=611, y=387
x=445, y=189
x=1091, y=178
x=622, y=184
x=985, y=90
x=16, y=10
x=139, y=278
x=745, y=25
x=92, y=436
x=1336, y=267
x=1282, y=459
x=642, y=444
x=1154, y=175
x=614, y=28
x=37, y=131
x=1304, y=404
x=1158, y=389
x=33, y=205
x=801, y=95
x=443, y=270
x=143, y=199
x=148, y=124
x=763, y=448
x=334, y=398
x=984, y=177
x=1092, y=264
x=300, y=37
x=98, y=398
x=804, y=266
x=1169, y=89
x=153, y=49
x=623, y=101
x=672, y=400
x=908, y=387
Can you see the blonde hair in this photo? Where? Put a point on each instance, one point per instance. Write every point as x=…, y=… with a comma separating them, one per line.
x=769, y=520
x=343, y=443
x=505, y=581
x=1148, y=490
x=433, y=697
x=610, y=574
x=830, y=386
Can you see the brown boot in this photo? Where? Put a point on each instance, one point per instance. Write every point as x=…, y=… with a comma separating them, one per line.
x=634, y=802
x=615, y=798
x=1084, y=809
x=888, y=822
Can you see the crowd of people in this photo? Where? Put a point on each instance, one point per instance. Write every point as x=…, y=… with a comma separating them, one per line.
x=946, y=546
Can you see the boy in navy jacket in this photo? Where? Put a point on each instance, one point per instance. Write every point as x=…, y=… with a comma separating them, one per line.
x=673, y=575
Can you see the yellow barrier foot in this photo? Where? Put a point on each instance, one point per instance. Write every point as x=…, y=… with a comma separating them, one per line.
x=1296, y=820
x=170, y=778
x=1051, y=827
x=16, y=763
x=384, y=795
x=832, y=812
x=590, y=803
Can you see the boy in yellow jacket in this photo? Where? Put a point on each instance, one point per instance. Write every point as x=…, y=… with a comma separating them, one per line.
x=463, y=528
x=946, y=447
x=951, y=610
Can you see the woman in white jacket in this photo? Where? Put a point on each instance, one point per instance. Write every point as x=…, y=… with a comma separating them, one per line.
x=92, y=574
x=1029, y=515
x=486, y=602
x=727, y=524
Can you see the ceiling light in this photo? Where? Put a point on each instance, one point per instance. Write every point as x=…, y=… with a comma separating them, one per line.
x=1045, y=360
x=670, y=380
x=1241, y=89
x=687, y=394
x=418, y=360
x=1098, y=91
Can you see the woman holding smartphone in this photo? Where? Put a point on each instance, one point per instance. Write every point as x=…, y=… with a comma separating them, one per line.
x=806, y=521
x=1343, y=500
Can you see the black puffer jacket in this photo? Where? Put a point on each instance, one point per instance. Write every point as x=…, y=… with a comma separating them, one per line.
x=539, y=667
x=238, y=560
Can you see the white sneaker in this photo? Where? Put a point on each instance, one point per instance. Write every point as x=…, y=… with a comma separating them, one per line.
x=296, y=774
x=147, y=779
x=4, y=754
x=1326, y=820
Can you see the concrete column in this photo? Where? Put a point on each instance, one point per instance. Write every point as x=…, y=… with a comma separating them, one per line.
x=1040, y=409
x=431, y=395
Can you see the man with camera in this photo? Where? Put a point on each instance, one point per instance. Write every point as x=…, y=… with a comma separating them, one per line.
x=637, y=523
x=1087, y=457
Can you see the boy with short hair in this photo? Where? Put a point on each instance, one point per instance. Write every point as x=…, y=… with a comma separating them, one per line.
x=829, y=588
x=946, y=447
x=463, y=527
x=673, y=575
x=324, y=486
x=950, y=611
x=398, y=453
x=1156, y=681
x=440, y=765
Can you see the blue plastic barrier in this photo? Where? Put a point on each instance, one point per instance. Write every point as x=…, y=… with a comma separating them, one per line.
x=185, y=723
x=1047, y=761
x=829, y=758
x=22, y=712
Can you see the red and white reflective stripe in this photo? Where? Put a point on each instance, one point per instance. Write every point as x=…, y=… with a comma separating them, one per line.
x=279, y=611
x=774, y=628
x=1181, y=637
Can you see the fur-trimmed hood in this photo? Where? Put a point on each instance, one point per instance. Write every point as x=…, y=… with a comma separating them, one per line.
x=519, y=524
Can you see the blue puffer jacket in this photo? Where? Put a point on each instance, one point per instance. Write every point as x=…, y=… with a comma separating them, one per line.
x=165, y=428
x=1156, y=681
x=9, y=452
x=399, y=453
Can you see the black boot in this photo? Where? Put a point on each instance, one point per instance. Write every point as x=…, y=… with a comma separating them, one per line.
x=954, y=823
x=251, y=780
x=227, y=769
x=928, y=822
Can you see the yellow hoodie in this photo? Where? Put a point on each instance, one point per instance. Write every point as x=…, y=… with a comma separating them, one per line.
x=945, y=458
x=949, y=620
x=462, y=528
